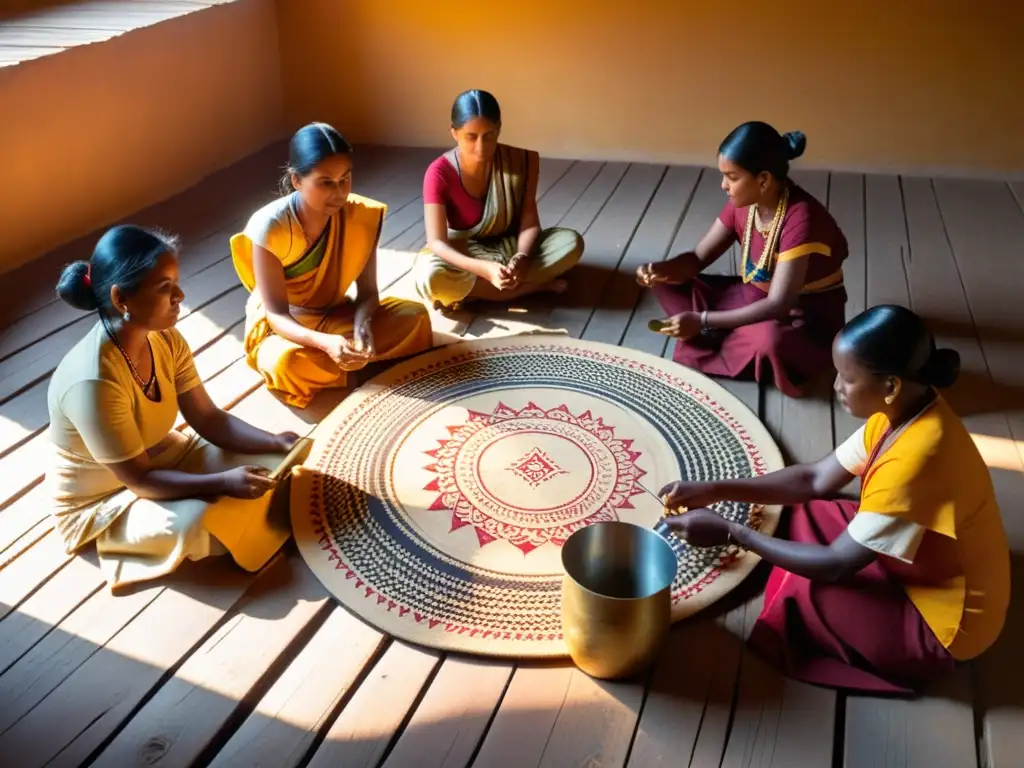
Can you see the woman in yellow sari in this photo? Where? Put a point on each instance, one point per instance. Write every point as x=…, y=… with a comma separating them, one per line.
x=299, y=256
x=484, y=239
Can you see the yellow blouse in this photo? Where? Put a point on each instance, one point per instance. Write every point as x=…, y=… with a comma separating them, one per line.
x=930, y=474
x=99, y=416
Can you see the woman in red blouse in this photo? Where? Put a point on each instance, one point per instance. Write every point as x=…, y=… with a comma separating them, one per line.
x=780, y=315
x=484, y=239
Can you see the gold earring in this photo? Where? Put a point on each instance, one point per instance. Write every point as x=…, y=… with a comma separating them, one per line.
x=890, y=399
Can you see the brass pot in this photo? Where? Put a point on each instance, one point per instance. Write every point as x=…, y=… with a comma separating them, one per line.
x=616, y=597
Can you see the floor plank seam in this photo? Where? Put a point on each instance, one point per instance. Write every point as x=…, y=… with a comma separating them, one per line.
x=490, y=719
x=609, y=280
x=328, y=722
x=247, y=704
x=417, y=701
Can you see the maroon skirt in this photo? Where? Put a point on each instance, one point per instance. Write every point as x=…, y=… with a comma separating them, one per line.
x=795, y=351
x=862, y=635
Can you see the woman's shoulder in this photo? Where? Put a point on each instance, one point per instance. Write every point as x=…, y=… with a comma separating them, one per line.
x=365, y=210
x=440, y=167
x=359, y=202
x=274, y=214
x=92, y=361
x=803, y=205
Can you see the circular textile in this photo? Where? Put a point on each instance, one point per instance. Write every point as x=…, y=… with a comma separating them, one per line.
x=438, y=495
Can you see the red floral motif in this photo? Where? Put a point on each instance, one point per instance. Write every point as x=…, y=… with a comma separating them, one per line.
x=612, y=483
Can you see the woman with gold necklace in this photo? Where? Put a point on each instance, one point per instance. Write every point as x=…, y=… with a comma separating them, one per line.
x=780, y=316
x=120, y=474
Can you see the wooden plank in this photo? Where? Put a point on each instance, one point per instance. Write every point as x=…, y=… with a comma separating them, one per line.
x=359, y=738
x=46, y=608
x=558, y=200
x=286, y=721
x=21, y=576
x=595, y=723
x=886, y=241
x=448, y=724
x=180, y=722
x=651, y=242
x=87, y=706
x=936, y=732
x=686, y=713
x=526, y=718
x=704, y=205
x=607, y=237
x=846, y=204
x=77, y=638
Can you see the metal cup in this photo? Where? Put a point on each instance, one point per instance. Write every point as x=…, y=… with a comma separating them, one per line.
x=616, y=597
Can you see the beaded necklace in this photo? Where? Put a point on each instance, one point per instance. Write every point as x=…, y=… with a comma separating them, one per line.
x=149, y=388
x=771, y=237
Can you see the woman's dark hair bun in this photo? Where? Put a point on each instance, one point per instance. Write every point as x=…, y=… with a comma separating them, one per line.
x=74, y=288
x=942, y=369
x=796, y=143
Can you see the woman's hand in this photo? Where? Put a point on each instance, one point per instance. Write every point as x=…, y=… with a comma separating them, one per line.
x=684, y=326
x=498, y=275
x=285, y=441
x=689, y=495
x=517, y=268
x=677, y=271
x=248, y=482
x=701, y=528
x=340, y=351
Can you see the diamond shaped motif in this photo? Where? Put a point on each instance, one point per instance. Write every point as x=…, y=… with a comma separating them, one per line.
x=535, y=467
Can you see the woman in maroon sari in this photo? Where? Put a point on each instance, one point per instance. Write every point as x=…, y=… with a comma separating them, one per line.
x=781, y=315
x=886, y=594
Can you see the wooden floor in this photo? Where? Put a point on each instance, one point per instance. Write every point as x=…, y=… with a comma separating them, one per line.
x=217, y=667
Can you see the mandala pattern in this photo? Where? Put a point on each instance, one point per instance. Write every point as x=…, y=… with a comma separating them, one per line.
x=523, y=516
x=436, y=500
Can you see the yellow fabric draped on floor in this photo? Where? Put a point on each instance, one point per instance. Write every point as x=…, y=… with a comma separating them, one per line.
x=495, y=237
x=318, y=276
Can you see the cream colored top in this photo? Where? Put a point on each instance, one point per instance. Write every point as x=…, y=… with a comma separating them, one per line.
x=99, y=416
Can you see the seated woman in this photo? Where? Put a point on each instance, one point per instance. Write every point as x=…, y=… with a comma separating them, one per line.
x=790, y=301
x=299, y=256
x=484, y=239
x=121, y=475
x=885, y=595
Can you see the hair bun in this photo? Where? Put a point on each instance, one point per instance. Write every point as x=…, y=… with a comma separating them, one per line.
x=796, y=143
x=74, y=288
x=942, y=369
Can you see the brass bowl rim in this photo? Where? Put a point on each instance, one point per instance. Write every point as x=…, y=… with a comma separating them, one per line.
x=652, y=531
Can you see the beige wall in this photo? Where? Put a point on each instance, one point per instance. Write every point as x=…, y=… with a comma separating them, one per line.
x=927, y=85
x=94, y=133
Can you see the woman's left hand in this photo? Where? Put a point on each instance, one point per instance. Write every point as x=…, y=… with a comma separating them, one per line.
x=286, y=441
x=700, y=527
x=684, y=326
